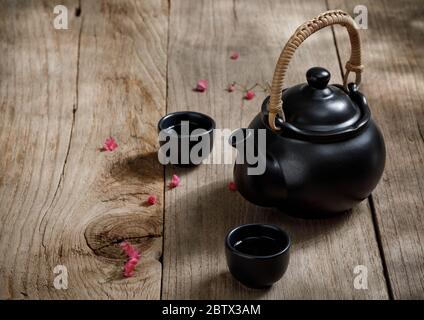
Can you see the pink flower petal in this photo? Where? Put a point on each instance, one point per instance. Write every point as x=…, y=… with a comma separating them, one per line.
x=249, y=95
x=232, y=186
x=133, y=258
x=231, y=87
x=235, y=55
x=175, y=181
x=130, y=251
x=129, y=269
x=152, y=199
x=202, y=85
x=110, y=144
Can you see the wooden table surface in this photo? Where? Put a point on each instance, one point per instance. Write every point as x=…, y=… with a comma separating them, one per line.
x=121, y=66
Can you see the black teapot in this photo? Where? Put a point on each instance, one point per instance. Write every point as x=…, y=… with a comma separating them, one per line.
x=324, y=154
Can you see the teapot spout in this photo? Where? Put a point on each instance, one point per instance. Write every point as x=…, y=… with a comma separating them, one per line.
x=238, y=138
x=257, y=174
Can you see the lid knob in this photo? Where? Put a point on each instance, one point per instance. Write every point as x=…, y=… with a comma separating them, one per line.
x=318, y=77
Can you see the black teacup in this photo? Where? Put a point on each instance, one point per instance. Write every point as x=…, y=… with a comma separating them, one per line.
x=186, y=138
x=257, y=254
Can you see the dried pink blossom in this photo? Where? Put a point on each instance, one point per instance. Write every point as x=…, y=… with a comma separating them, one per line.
x=231, y=87
x=202, y=85
x=235, y=55
x=175, y=181
x=249, y=95
x=110, y=144
x=152, y=199
x=232, y=186
x=130, y=250
x=129, y=267
x=133, y=258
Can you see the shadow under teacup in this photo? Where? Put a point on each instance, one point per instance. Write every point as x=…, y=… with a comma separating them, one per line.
x=185, y=138
x=257, y=254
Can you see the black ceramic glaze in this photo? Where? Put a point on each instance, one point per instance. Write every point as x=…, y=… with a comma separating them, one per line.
x=171, y=126
x=257, y=254
x=328, y=156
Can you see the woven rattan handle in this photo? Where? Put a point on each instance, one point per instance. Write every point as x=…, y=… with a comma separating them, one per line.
x=328, y=18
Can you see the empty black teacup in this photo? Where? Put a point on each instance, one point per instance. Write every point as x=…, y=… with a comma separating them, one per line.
x=185, y=138
x=257, y=254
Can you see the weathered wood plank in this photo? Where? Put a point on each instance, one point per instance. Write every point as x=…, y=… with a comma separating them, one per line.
x=73, y=207
x=393, y=82
x=37, y=94
x=200, y=212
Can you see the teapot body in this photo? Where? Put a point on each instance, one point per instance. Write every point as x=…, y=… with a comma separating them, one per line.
x=315, y=177
x=324, y=153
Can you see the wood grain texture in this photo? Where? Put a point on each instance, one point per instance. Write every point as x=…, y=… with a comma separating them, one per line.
x=36, y=103
x=393, y=81
x=62, y=200
x=200, y=212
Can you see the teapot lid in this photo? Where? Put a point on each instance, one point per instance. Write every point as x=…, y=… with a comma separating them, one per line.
x=318, y=107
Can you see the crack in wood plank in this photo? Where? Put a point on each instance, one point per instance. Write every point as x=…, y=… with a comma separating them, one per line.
x=74, y=111
x=164, y=167
x=112, y=245
x=235, y=12
x=380, y=246
x=78, y=9
x=420, y=131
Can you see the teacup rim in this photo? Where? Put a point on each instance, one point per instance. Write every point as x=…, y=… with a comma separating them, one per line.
x=176, y=113
x=257, y=257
